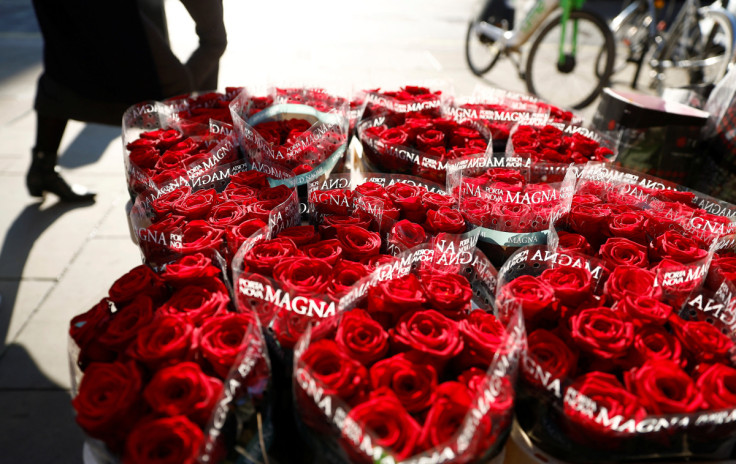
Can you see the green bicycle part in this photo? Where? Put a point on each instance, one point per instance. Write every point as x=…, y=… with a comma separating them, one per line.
x=566, y=61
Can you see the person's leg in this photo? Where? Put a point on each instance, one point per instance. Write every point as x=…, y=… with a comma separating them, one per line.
x=42, y=176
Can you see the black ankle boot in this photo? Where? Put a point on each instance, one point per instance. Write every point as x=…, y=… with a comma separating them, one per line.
x=43, y=177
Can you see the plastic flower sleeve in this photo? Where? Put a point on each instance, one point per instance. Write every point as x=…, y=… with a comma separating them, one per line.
x=613, y=363
x=303, y=130
x=421, y=147
x=558, y=142
x=404, y=210
x=161, y=148
x=388, y=396
x=163, y=364
x=420, y=99
x=218, y=211
x=499, y=113
x=511, y=199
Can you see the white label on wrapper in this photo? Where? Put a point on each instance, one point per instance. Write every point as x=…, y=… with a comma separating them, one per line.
x=302, y=305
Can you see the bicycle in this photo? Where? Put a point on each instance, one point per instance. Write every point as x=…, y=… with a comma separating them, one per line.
x=568, y=42
x=700, y=43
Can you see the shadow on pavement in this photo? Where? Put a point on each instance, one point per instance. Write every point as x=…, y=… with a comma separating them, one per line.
x=89, y=145
x=19, y=240
x=38, y=424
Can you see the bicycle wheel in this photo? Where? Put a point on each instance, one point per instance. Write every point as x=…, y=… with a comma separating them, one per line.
x=695, y=52
x=577, y=80
x=481, y=51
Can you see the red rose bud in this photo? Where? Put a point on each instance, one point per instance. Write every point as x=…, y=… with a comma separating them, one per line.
x=663, y=388
x=177, y=438
x=184, y=390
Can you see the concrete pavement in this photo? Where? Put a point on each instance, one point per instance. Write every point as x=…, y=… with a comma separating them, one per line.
x=58, y=260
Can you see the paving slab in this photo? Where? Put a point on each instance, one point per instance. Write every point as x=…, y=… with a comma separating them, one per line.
x=38, y=427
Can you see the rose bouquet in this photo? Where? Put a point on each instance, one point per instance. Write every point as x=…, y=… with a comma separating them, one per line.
x=419, y=146
x=218, y=212
x=614, y=370
x=559, y=143
x=420, y=100
x=300, y=130
x=295, y=276
x=164, y=366
x=416, y=366
x=163, y=148
x=511, y=200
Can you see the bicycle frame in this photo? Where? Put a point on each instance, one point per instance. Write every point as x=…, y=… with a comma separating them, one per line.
x=512, y=40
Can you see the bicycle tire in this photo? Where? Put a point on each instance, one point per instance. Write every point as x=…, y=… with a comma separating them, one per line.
x=714, y=46
x=545, y=46
x=474, y=43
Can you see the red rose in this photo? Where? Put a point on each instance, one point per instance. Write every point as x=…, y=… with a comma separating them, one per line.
x=141, y=280
x=663, y=388
x=619, y=251
x=629, y=224
x=721, y=269
x=717, y=385
x=183, y=389
x=238, y=234
x=677, y=247
x=449, y=294
x=551, y=354
x=189, y=269
x=362, y=338
x=303, y=276
x=602, y=332
x=483, y=336
x=109, y=401
x=196, y=205
x=589, y=220
x=572, y=285
x=703, y=340
x=570, y=242
x=266, y=254
x=406, y=234
x=644, y=310
x=653, y=342
x=167, y=440
x=197, y=303
x=341, y=375
x=610, y=396
x=446, y=220
x=165, y=203
x=446, y=417
x=199, y=236
x=85, y=329
x=221, y=340
x=396, y=296
x=300, y=235
x=289, y=326
x=358, y=243
x=412, y=381
x=625, y=280
x=254, y=179
x=330, y=251
x=344, y=275
x=434, y=201
x=428, y=332
x=535, y=296
x=478, y=211
x=125, y=323
x=331, y=222
x=227, y=214
x=408, y=198
x=372, y=189
x=165, y=341
x=395, y=429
